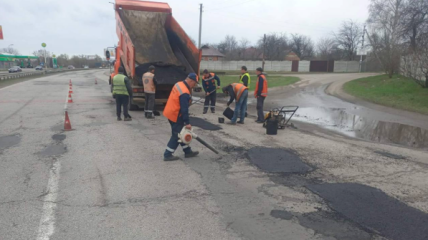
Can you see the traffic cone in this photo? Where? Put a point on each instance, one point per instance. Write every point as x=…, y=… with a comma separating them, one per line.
x=70, y=83
x=67, y=124
x=96, y=81
x=70, y=90
x=70, y=99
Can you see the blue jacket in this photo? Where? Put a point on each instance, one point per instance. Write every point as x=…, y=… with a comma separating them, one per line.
x=209, y=83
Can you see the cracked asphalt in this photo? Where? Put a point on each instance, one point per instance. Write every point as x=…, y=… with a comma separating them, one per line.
x=106, y=179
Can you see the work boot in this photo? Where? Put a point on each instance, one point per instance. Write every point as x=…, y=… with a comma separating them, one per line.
x=205, y=111
x=213, y=110
x=145, y=114
x=171, y=158
x=241, y=122
x=150, y=116
x=127, y=119
x=119, y=119
x=191, y=154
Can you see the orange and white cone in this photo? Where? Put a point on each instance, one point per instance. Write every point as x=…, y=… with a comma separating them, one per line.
x=67, y=124
x=70, y=83
x=70, y=90
x=70, y=99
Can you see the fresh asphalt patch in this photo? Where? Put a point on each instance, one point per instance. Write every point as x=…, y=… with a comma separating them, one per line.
x=275, y=160
x=53, y=150
x=374, y=210
x=58, y=137
x=390, y=155
x=9, y=141
x=281, y=214
x=201, y=123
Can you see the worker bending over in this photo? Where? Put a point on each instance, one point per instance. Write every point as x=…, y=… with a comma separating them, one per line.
x=177, y=112
x=149, y=83
x=260, y=93
x=121, y=92
x=239, y=92
x=210, y=88
x=245, y=77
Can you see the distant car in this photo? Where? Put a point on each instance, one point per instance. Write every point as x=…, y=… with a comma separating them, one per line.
x=39, y=68
x=29, y=66
x=85, y=67
x=71, y=67
x=15, y=69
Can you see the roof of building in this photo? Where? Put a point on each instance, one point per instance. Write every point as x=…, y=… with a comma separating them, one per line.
x=208, y=51
x=292, y=56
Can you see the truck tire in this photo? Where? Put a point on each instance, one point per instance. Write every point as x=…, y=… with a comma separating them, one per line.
x=132, y=107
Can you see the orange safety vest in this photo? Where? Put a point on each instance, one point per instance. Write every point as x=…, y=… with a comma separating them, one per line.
x=172, y=108
x=265, y=87
x=238, y=88
x=149, y=85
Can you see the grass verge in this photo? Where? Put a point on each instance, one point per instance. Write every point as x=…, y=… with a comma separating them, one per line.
x=398, y=92
x=273, y=81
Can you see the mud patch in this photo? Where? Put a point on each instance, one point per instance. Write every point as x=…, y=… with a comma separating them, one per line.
x=9, y=141
x=201, y=123
x=58, y=137
x=277, y=160
x=390, y=155
x=53, y=150
x=281, y=214
x=374, y=210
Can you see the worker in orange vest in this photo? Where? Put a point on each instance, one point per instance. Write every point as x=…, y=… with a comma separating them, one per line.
x=209, y=84
x=239, y=92
x=177, y=112
x=149, y=83
x=260, y=93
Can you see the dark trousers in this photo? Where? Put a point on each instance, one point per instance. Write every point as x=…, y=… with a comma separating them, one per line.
x=173, y=141
x=260, y=114
x=149, y=106
x=122, y=100
x=210, y=102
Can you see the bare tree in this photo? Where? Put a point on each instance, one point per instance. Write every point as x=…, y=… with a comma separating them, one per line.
x=386, y=32
x=326, y=47
x=242, y=48
x=229, y=47
x=10, y=50
x=349, y=38
x=416, y=22
x=415, y=64
x=276, y=46
x=302, y=46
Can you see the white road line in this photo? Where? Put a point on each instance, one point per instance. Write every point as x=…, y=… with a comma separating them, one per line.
x=47, y=221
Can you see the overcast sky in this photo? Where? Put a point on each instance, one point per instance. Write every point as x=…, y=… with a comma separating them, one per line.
x=88, y=26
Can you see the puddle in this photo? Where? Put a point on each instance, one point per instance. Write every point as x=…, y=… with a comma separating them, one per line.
x=277, y=160
x=374, y=210
x=53, y=150
x=339, y=120
x=9, y=141
x=58, y=137
x=390, y=155
x=201, y=123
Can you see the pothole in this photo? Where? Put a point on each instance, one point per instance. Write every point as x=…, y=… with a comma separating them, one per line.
x=53, y=150
x=9, y=141
x=277, y=160
x=201, y=123
x=58, y=137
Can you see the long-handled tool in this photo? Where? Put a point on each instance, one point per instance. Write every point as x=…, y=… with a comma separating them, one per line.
x=200, y=100
x=187, y=135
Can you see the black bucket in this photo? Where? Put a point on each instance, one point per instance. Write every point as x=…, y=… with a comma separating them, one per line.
x=271, y=127
x=228, y=113
x=220, y=120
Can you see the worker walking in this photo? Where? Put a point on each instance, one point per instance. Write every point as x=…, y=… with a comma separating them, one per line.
x=260, y=93
x=239, y=92
x=245, y=77
x=121, y=92
x=149, y=83
x=177, y=112
x=210, y=88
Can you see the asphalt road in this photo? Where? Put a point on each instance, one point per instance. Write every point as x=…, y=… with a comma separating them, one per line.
x=106, y=179
x=24, y=70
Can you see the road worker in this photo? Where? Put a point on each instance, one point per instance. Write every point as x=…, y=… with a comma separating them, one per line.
x=177, y=113
x=239, y=92
x=260, y=93
x=121, y=85
x=245, y=77
x=210, y=88
x=149, y=83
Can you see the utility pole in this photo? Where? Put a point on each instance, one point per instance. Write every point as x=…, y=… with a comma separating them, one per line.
x=362, y=47
x=264, y=51
x=200, y=25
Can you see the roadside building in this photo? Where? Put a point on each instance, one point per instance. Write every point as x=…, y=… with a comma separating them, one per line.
x=292, y=56
x=8, y=60
x=211, y=54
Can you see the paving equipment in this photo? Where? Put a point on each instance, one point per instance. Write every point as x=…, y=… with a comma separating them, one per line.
x=280, y=115
x=187, y=135
x=149, y=35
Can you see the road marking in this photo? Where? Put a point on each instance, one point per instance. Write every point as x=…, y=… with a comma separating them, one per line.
x=47, y=221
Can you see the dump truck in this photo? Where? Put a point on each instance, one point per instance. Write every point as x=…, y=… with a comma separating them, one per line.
x=149, y=35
